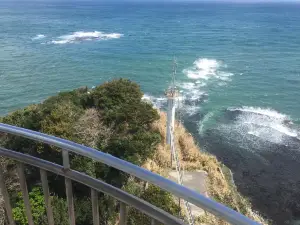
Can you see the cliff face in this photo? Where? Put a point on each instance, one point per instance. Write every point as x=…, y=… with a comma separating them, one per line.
x=114, y=119
x=219, y=179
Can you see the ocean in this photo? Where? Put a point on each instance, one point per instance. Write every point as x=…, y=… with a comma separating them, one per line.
x=238, y=72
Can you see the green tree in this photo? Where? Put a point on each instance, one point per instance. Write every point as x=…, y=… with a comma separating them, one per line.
x=112, y=117
x=120, y=103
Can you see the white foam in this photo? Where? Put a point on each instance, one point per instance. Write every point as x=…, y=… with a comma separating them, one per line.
x=204, y=72
x=202, y=69
x=192, y=110
x=285, y=130
x=192, y=91
x=191, y=95
x=222, y=84
x=205, y=119
x=263, y=111
x=158, y=102
x=264, y=123
x=187, y=85
x=195, y=94
x=161, y=103
x=85, y=36
x=201, y=83
x=205, y=69
x=252, y=132
x=38, y=37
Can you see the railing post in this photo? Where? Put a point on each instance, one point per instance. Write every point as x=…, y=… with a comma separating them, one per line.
x=69, y=192
x=47, y=196
x=95, y=206
x=153, y=222
x=123, y=213
x=21, y=173
x=6, y=199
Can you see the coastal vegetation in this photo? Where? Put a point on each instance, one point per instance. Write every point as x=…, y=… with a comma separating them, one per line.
x=114, y=119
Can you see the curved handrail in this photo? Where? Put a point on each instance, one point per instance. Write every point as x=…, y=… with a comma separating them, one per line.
x=96, y=184
x=189, y=195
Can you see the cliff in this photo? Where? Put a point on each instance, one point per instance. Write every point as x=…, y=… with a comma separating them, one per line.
x=219, y=179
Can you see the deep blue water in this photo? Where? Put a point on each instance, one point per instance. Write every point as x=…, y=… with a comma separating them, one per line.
x=238, y=70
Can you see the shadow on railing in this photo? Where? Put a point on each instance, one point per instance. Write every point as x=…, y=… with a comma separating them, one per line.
x=156, y=214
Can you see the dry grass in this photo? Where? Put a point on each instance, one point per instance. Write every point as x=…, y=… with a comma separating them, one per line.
x=219, y=185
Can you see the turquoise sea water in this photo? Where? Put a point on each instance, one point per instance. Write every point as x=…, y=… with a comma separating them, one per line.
x=238, y=70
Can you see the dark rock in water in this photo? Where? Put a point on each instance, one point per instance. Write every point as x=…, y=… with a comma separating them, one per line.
x=263, y=153
x=268, y=174
x=191, y=122
x=262, y=149
x=228, y=116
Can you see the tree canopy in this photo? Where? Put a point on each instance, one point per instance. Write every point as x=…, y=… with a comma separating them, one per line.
x=112, y=118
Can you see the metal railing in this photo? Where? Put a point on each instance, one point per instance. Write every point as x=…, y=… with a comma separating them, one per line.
x=96, y=185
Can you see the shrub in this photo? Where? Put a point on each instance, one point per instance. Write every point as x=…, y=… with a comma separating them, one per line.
x=120, y=103
x=112, y=117
x=157, y=197
x=37, y=206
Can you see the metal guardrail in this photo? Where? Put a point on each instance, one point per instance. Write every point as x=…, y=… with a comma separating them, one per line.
x=189, y=195
x=95, y=185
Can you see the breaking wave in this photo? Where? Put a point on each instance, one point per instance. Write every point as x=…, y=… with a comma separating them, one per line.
x=263, y=111
x=80, y=36
x=194, y=91
x=187, y=104
x=191, y=91
x=201, y=76
x=263, y=123
x=204, y=121
x=205, y=69
x=38, y=37
x=158, y=102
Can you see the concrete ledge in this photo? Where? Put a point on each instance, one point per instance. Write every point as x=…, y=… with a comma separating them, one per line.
x=195, y=180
